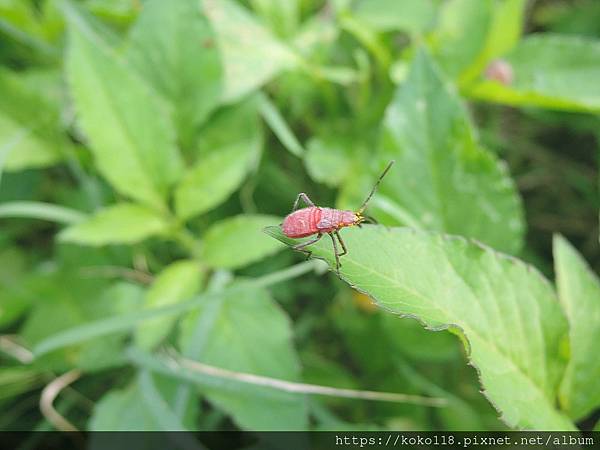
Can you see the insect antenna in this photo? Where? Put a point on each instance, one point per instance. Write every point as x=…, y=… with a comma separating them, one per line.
x=364, y=205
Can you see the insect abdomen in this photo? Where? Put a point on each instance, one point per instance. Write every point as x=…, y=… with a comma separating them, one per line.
x=302, y=223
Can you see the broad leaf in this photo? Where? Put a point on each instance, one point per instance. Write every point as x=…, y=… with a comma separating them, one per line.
x=473, y=32
x=123, y=223
x=461, y=34
x=14, y=280
x=282, y=17
x=229, y=146
x=237, y=340
x=41, y=211
x=21, y=21
x=579, y=294
x=136, y=408
x=128, y=126
x=506, y=312
x=71, y=300
x=443, y=178
x=173, y=46
x=505, y=30
x=238, y=241
x=29, y=124
x=329, y=159
x=243, y=42
x=412, y=16
x=278, y=125
x=551, y=71
x=177, y=282
x=128, y=321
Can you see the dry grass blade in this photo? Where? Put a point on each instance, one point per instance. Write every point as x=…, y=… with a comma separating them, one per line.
x=304, y=388
x=48, y=396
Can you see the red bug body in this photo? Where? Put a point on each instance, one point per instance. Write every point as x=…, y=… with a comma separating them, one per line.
x=312, y=220
x=315, y=220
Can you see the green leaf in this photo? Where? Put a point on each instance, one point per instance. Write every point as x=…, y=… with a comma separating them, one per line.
x=128, y=126
x=473, y=32
x=123, y=223
x=177, y=282
x=329, y=159
x=18, y=380
x=238, y=341
x=443, y=177
x=504, y=33
x=14, y=279
x=71, y=300
x=579, y=295
x=281, y=129
x=137, y=407
x=551, y=71
x=29, y=123
x=229, y=146
x=412, y=16
x=41, y=211
x=173, y=46
x=249, y=62
x=238, y=241
x=282, y=17
x=157, y=405
x=21, y=22
x=506, y=312
x=461, y=34
x=127, y=321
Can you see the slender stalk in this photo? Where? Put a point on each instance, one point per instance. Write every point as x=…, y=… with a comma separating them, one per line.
x=124, y=322
x=50, y=393
x=303, y=388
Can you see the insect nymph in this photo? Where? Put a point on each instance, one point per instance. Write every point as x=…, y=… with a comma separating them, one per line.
x=316, y=220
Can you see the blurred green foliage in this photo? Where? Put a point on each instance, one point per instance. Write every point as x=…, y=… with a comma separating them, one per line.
x=145, y=144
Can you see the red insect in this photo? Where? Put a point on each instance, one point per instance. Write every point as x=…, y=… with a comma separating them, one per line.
x=316, y=220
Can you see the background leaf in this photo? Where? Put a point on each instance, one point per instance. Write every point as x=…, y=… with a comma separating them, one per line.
x=579, y=294
x=71, y=300
x=328, y=158
x=123, y=223
x=507, y=21
x=41, y=211
x=557, y=72
x=461, y=34
x=128, y=126
x=177, y=282
x=29, y=122
x=238, y=341
x=238, y=241
x=280, y=128
x=229, y=147
x=412, y=16
x=173, y=46
x=508, y=314
x=442, y=174
x=128, y=409
x=234, y=25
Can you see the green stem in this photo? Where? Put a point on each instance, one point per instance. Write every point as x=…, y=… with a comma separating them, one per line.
x=368, y=38
x=187, y=241
x=126, y=322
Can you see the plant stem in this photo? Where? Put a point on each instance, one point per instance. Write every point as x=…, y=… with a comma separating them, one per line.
x=127, y=321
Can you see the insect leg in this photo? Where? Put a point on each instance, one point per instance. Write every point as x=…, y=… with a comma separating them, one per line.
x=306, y=244
x=302, y=196
x=337, y=234
x=335, y=252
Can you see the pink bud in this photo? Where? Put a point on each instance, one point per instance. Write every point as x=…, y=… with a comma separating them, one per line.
x=501, y=71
